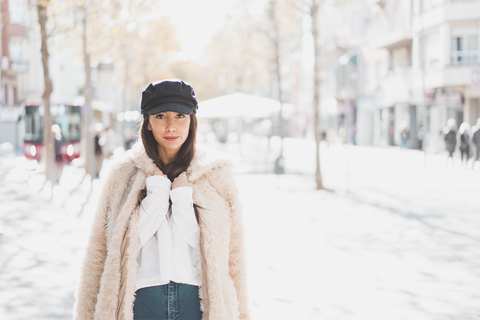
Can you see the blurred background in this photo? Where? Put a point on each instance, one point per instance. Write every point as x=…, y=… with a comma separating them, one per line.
x=354, y=126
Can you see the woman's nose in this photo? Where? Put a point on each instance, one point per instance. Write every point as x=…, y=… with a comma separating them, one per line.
x=170, y=125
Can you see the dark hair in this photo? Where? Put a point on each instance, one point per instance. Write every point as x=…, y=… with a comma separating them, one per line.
x=182, y=159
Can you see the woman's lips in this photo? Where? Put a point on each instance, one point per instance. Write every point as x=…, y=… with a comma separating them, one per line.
x=171, y=138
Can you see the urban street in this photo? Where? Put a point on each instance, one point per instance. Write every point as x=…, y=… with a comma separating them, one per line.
x=395, y=235
x=353, y=127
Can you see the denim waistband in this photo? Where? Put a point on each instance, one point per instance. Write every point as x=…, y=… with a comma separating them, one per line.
x=172, y=301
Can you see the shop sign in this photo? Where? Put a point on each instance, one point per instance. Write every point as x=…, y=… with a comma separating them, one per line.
x=476, y=76
x=449, y=99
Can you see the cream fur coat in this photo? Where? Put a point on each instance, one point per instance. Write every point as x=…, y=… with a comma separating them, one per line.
x=106, y=288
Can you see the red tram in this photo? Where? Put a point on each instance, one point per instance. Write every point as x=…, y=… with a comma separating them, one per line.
x=68, y=121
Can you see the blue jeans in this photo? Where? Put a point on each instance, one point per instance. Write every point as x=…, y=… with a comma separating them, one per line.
x=172, y=301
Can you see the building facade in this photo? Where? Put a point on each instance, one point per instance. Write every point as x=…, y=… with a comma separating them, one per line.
x=20, y=71
x=404, y=65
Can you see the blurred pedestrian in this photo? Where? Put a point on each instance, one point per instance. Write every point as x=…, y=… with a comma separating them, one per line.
x=420, y=136
x=167, y=239
x=353, y=134
x=450, y=137
x=98, y=141
x=130, y=139
x=57, y=139
x=279, y=165
x=404, y=136
x=324, y=136
x=110, y=139
x=476, y=141
x=464, y=132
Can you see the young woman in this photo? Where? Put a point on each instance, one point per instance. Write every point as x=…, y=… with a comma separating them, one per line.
x=167, y=238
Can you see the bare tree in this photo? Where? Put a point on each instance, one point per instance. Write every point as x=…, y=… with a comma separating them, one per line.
x=87, y=135
x=275, y=39
x=84, y=21
x=313, y=11
x=47, y=118
x=314, y=6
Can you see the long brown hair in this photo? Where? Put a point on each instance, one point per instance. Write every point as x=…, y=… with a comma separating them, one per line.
x=182, y=159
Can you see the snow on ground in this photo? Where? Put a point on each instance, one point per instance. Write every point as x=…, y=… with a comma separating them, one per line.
x=392, y=239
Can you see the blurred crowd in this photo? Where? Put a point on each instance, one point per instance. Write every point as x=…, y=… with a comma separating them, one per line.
x=466, y=140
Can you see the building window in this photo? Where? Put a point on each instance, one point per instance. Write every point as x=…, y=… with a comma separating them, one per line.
x=429, y=4
x=464, y=50
x=400, y=58
x=19, y=12
x=18, y=53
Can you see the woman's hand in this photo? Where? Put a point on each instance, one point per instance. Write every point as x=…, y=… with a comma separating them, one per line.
x=181, y=181
x=157, y=172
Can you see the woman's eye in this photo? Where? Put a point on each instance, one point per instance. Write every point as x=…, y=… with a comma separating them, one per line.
x=159, y=116
x=181, y=115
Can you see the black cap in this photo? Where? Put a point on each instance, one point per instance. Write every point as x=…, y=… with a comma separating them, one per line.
x=169, y=95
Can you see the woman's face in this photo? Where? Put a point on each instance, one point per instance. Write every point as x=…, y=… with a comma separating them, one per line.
x=170, y=129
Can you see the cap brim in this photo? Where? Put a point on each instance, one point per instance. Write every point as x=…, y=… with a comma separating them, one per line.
x=171, y=106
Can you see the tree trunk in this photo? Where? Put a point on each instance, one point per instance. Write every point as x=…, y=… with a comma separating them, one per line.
x=278, y=74
x=125, y=88
x=48, y=142
x=314, y=8
x=87, y=129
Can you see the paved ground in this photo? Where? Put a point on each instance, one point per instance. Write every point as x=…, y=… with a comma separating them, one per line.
x=392, y=240
x=403, y=243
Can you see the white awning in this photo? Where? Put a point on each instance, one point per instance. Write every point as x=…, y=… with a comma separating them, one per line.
x=238, y=105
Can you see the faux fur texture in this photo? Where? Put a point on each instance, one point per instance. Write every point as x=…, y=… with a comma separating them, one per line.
x=106, y=289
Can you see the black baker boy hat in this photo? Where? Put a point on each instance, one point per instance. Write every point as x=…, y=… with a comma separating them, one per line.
x=169, y=95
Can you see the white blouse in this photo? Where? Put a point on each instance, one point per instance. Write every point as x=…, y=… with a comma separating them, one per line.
x=168, y=246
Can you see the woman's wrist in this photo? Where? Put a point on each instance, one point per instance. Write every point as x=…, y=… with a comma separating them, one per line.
x=181, y=181
x=157, y=182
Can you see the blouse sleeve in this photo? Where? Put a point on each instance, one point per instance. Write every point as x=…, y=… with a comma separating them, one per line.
x=154, y=207
x=184, y=215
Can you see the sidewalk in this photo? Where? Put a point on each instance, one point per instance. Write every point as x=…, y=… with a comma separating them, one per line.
x=372, y=255
x=42, y=240
x=393, y=240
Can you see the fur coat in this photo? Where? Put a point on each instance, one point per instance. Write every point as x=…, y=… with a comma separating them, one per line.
x=106, y=288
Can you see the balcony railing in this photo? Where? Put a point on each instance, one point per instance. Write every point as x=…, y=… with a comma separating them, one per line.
x=18, y=65
x=464, y=57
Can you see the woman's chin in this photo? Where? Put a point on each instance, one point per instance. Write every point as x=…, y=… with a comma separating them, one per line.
x=171, y=145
